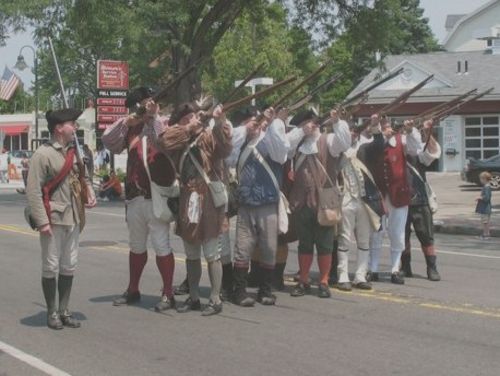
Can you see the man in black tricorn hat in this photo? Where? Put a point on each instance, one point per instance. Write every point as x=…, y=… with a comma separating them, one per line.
x=57, y=211
x=148, y=170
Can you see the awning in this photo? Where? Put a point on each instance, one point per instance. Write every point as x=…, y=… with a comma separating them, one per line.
x=14, y=129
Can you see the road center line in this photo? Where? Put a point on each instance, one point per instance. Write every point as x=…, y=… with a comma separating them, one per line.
x=31, y=360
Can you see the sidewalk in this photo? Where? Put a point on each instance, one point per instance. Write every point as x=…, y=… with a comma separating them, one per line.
x=457, y=202
x=12, y=184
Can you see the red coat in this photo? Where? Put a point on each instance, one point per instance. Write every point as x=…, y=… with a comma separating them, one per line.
x=395, y=174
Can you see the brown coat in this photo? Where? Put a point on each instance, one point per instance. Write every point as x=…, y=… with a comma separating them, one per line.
x=46, y=163
x=310, y=176
x=214, y=146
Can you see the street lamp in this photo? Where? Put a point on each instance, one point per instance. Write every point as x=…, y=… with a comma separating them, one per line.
x=21, y=65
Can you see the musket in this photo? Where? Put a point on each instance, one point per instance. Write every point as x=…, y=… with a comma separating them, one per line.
x=442, y=106
x=310, y=77
x=78, y=150
x=448, y=111
x=399, y=101
x=362, y=93
x=309, y=96
x=166, y=90
x=243, y=83
x=229, y=106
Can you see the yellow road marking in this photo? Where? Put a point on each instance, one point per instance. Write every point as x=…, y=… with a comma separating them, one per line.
x=378, y=295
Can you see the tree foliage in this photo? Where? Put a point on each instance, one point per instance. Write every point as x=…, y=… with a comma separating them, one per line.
x=225, y=39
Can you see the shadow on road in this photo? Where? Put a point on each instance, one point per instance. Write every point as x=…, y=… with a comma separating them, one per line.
x=40, y=319
x=97, y=243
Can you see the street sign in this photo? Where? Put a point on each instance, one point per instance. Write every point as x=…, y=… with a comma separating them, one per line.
x=112, y=74
x=111, y=110
x=112, y=90
x=111, y=101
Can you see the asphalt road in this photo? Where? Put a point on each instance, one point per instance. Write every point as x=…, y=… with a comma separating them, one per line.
x=422, y=328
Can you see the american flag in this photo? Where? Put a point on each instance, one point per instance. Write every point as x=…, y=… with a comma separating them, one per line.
x=8, y=85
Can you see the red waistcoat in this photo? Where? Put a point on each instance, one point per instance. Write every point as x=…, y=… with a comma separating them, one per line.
x=396, y=182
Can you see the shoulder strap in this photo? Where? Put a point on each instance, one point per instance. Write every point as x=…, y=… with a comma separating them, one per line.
x=244, y=154
x=145, y=156
x=266, y=166
x=49, y=188
x=318, y=162
x=186, y=152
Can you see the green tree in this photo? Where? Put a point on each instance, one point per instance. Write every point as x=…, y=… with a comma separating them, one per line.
x=173, y=34
x=387, y=27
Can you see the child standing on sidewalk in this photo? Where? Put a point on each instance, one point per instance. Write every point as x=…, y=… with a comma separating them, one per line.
x=483, y=206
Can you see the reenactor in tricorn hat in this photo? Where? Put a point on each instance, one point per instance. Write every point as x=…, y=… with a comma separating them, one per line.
x=56, y=209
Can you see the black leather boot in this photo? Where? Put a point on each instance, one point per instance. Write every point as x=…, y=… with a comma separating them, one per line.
x=265, y=295
x=49, y=288
x=279, y=279
x=332, y=279
x=406, y=264
x=183, y=288
x=432, y=272
x=253, y=276
x=240, y=295
x=227, y=282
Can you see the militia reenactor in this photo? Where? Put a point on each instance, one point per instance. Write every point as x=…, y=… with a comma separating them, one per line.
x=362, y=210
x=420, y=209
x=56, y=201
x=146, y=166
x=203, y=198
x=390, y=173
x=259, y=151
x=316, y=164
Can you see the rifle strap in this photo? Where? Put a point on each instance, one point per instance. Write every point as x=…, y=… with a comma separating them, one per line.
x=50, y=187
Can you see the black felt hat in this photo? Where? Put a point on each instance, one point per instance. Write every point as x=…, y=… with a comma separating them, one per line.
x=137, y=95
x=243, y=114
x=181, y=111
x=302, y=116
x=60, y=117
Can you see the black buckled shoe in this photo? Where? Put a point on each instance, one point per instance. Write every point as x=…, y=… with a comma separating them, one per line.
x=54, y=321
x=433, y=274
x=300, y=289
x=127, y=298
x=363, y=285
x=344, y=286
x=189, y=305
x=372, y=277
x=397, y=278
x=165, y=304
x=68, y=320
x=324, y=291
x=183, y=288
x=265, y=297
x=212, y=309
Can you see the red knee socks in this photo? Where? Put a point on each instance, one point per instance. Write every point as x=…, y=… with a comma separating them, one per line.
x=166, y=265
x=137, y=261
x=305, y=262
x=324, y=265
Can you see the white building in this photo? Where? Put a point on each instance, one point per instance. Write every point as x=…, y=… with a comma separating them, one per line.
x=472, y=61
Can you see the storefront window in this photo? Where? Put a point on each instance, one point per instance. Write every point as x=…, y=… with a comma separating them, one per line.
x=482, y=136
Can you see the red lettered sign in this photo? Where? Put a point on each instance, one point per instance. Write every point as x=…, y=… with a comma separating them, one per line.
x=110, y=101
x=111, y=110
x=112, y=74
x=108, y=118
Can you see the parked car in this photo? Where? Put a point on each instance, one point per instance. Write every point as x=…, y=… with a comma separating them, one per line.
x=473, y=167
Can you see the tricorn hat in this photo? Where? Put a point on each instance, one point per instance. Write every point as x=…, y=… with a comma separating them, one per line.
x=60, y=117
x=181, y=111
x=305, y=115
x=244, y=113
x=137, y=95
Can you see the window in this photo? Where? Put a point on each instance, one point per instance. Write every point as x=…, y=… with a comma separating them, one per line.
x=482, y=136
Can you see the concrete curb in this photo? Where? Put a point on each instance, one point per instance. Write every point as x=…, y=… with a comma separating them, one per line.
x=462, y=230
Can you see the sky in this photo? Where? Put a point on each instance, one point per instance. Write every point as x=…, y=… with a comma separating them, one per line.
x=435, y=10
